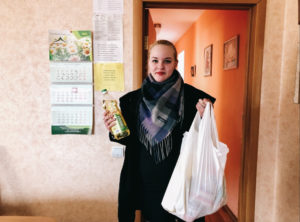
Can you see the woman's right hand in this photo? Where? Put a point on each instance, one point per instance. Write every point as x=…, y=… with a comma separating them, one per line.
x=109, y=120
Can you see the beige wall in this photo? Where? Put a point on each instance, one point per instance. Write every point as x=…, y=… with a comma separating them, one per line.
x=70, y=177
x=74, y=178
x=277, y=190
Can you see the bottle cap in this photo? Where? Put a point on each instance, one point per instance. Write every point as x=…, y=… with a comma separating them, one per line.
x=104, y=91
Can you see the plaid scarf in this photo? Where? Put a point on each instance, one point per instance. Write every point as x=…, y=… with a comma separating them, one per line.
x=160, y=110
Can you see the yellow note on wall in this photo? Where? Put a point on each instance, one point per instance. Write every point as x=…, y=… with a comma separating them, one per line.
x=109, y=76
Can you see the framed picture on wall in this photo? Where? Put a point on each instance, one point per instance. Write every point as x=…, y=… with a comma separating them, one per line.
x=231, y=53
x=193, y=70
x=208, y=60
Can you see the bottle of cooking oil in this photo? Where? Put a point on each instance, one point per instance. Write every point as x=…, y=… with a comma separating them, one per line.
x=120, y=129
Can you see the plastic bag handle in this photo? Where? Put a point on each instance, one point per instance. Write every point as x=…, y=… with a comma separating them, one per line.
x=214, y=131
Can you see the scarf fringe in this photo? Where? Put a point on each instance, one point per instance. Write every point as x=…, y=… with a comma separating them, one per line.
x=158, y=150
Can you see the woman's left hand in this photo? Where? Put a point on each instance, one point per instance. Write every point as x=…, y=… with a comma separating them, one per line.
x=201, y=105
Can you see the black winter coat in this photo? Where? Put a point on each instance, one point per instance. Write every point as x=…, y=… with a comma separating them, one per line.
x=128, y=200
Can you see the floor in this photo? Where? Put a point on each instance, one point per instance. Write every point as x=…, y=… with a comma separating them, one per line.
x=221, y=216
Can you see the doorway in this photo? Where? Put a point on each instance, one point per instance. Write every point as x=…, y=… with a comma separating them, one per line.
x=257, y=10
x=210, y=30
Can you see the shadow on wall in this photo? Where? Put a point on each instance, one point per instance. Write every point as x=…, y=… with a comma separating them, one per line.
x=65, y=210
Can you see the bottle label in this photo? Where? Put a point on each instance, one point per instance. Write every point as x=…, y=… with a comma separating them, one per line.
x=120, y=122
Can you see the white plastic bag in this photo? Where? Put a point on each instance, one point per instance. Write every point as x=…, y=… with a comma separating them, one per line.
x=197, y=185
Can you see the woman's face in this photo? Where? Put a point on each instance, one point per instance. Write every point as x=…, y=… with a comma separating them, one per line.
x=161, y=62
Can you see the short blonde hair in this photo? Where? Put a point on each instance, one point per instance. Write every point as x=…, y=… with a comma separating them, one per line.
x=166, y=43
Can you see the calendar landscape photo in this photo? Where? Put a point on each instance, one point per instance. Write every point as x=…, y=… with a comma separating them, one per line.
x=70, y=46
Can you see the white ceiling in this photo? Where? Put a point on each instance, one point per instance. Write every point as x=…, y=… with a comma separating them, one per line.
x=174, y=22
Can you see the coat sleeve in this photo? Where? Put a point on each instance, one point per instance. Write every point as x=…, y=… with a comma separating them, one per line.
x=191, y=97
x=128, y=195
x=193, y=94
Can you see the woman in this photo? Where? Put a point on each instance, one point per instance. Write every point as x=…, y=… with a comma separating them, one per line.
x=157, y=115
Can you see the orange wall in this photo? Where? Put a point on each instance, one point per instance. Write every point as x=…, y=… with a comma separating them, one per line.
x=227, y=86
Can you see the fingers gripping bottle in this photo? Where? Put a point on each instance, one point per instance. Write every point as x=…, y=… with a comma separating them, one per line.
x=120, y=129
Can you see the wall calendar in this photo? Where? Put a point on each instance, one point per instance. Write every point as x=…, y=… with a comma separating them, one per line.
x=71, y=71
